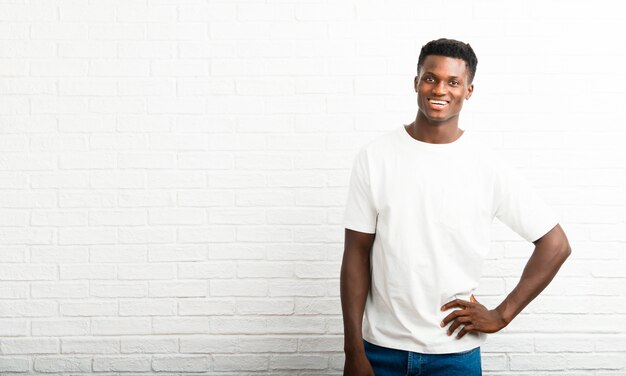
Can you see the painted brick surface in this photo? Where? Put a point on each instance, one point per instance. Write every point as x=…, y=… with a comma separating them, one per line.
x=173, y=175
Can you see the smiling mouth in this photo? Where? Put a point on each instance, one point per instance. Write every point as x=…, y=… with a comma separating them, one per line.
x=437, y=104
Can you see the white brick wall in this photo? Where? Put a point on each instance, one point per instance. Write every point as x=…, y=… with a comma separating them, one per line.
x=173, y=175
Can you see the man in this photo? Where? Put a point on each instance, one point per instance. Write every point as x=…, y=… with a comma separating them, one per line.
x=420, y=206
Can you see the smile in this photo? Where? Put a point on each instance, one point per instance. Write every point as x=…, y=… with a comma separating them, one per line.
x=437, y=104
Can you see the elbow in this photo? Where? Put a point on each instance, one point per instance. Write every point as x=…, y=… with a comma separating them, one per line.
x=564, y=250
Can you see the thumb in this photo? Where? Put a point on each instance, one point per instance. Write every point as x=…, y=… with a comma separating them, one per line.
x=473, y=299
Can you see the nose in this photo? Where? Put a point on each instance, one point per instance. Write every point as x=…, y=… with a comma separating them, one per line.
x=439, y=88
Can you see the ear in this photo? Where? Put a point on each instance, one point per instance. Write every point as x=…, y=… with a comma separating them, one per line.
x=415, y=81
x=470, y=90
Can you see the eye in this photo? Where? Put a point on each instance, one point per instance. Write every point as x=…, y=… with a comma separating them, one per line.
x=429, y=79
x=454, y=83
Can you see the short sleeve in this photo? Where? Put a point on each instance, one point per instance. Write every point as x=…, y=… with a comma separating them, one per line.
x=519, y=207
x=360, y=214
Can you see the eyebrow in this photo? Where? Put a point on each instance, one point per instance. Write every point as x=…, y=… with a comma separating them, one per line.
x=449, y=77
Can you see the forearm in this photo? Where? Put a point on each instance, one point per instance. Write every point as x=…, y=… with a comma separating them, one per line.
x=354, y=288
x=545, y=262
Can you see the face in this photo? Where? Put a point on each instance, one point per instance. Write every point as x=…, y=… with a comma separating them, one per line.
x=441, y=87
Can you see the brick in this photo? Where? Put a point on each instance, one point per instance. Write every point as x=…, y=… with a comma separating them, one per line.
x=318, y=270
x=317, y=306
x=296, y=288
x=208, y=12
x=240, y=363
x=223, y=288
x=265, y=307
x=116, y=31
x=158, y=253
x=13, y=328
x=59, y=290
x=86, y=199
x=84, y=13
x=294, y=324
x=86, y=160
x=146, y=271
x=299, y=362
x=149, y=345
x=10, y=290
x=58, y=67
x=14, y=364
x=119, y=289
x=563, y=344
x=265, y=12
x=123, y=364
x=181, y=289
x=207, y=270
x=243, y=216
x=77, y=236
x=321, y=344
x=237, y=252
x=268, y=344
x=89, y=308
x=119, y=67
x=15, y=68
x=91, y=49
x=203, y=307
x=146, y=87
x=145, y=198
x=264, y=234
x=151, y=307
x=209, y=344
x=117, y=254
x=28, y=308
x=23, y=49
x=264, y=270
x=88, y=345
x=188, y=106
x=216, y=234
x=146, y=50
x=180, y=363
x=120, y=326
x=139, y=12
x=206, y=198
x=25, y=272
x=179, y=68
x=201, y=160
x=141, y=235
x=60, y=327
x=180, y=325
x=14, y=218
x=10, y=346
x=117, y=105
x=62, y=364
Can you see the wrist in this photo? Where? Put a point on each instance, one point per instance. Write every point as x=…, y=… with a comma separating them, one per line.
x=354, y=348
x=505, y=317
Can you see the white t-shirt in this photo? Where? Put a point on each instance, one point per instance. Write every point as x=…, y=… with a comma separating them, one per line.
x=432, y=207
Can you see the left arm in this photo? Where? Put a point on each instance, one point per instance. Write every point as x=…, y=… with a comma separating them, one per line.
x=551, y=251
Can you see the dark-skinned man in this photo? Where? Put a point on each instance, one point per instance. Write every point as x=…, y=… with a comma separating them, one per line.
x=420, y=206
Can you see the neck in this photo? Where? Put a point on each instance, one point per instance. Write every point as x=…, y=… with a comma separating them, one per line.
x=434, y=133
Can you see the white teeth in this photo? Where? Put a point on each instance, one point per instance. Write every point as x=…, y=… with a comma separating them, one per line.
x=438, y=102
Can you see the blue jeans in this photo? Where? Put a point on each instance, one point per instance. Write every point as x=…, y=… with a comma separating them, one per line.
x=392, y=362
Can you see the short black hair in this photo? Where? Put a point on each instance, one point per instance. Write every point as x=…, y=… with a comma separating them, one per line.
x=450, y=48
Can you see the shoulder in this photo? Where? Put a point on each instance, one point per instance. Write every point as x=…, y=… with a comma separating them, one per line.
x=382, y=144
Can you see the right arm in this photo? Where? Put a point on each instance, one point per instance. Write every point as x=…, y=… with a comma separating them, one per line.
x=354, y=286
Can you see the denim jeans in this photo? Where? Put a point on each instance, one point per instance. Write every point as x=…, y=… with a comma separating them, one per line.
x=392, y=362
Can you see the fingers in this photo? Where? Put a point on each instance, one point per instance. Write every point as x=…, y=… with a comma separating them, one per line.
x=466, y=329
x=461, y=320
x=452, y=316
x=456, y=303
